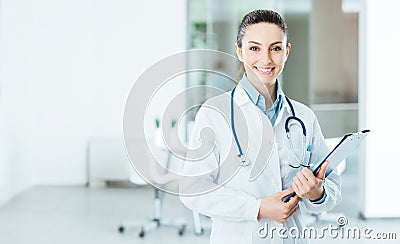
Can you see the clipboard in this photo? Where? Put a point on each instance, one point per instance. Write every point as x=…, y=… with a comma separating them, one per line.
x=344, y=148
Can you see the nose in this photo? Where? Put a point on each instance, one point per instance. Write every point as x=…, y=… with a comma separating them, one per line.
x=266, y=57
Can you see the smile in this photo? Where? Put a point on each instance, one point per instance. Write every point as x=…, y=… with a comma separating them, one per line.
x=264, y=71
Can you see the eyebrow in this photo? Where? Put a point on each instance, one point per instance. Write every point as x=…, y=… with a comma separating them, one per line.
x=277, y=42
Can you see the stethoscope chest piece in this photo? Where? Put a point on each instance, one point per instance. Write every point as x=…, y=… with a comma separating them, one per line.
x=244, y=161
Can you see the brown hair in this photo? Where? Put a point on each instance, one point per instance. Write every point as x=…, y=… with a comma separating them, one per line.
x=258, y=16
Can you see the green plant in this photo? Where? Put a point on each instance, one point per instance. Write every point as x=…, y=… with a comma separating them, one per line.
x=173, y=123
x=157, y=123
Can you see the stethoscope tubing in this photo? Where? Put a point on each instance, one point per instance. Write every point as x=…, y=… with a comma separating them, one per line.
x=293, y=117
x=233, y=124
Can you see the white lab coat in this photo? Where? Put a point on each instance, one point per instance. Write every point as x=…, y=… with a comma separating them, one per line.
x=233, y=207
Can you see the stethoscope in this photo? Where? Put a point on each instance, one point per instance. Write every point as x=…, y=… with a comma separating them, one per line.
x=300, y=161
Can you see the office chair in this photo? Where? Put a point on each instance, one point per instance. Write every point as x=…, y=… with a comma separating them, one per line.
x=160, y=178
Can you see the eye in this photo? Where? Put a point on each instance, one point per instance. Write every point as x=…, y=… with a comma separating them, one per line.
x=276, y=49
x=254, y=48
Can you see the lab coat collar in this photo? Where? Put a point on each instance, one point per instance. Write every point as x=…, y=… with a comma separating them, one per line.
x=242, y=97
x=250, y=89
x=284, y=110
x=285, y=104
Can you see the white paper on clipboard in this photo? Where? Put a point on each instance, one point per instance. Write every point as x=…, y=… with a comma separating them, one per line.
x=344, y=148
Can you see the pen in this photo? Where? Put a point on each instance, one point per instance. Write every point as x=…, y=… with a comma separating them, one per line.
x=308, y=152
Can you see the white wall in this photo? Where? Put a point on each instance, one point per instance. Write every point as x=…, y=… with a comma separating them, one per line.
x=379, y=88
x=15, y=100
x=66, y=69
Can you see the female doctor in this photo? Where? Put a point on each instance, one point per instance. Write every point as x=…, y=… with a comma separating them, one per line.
x=239, y=207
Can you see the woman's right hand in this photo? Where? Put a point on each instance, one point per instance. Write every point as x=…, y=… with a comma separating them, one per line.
x=273, y=208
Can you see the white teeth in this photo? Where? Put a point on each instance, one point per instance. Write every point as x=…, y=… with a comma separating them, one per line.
x=264, y=70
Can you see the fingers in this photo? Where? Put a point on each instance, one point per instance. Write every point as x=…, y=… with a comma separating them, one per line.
x=303, y=177
x=307, y=173
x=274, y=208
x=322, y=171
x=290, y=208
x=285, y=192
x=294, y=204
x=301, y=184
x=298, y=189
x=293, y=201
x=292, y=211
x=306, y=185
x=291, y=204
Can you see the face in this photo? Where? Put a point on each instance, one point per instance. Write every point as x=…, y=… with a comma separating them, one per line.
x=264, y=52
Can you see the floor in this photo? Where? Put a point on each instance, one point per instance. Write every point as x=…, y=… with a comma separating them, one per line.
x=92, y=215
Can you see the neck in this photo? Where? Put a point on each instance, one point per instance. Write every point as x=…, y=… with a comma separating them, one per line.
x=272, y=90
x=268, y=91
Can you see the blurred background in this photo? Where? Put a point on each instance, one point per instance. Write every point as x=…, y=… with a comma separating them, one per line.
x=67, y=67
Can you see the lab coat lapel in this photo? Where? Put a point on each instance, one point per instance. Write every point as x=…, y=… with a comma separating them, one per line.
x=265, y=160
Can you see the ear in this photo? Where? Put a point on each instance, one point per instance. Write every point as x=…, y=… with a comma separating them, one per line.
x=239, y=52
x=288, y=47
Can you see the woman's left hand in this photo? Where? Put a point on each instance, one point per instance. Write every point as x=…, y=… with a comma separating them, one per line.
x=306, y=185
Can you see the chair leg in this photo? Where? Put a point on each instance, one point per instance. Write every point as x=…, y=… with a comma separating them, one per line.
x=197, y=225
x=157, y=221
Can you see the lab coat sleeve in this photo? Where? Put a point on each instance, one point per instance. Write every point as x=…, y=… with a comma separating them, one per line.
x=225, y=202
x=332, y=183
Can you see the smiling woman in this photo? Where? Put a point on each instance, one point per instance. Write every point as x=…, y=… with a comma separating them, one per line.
x=239, y=206
x=264, y=50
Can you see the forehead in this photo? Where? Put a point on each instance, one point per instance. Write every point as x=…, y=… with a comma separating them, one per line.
x=263, y=32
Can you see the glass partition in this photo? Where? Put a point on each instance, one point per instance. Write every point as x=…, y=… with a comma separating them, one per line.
x=322, y=69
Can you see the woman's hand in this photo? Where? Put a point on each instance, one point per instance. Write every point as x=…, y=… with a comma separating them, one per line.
x=273, y=208
x=306, y=185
